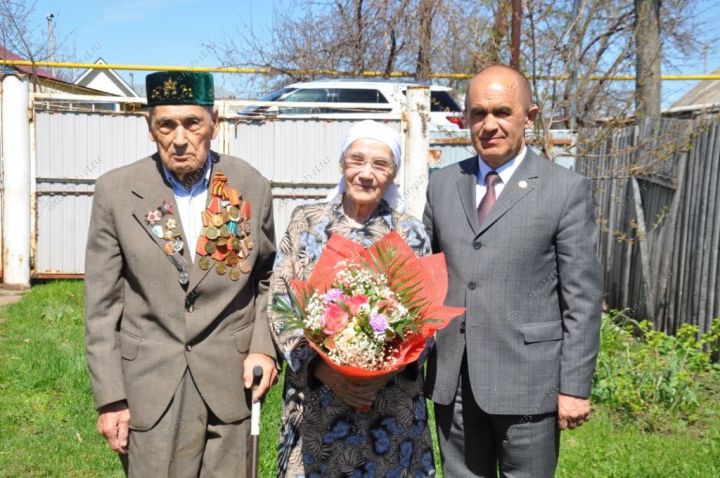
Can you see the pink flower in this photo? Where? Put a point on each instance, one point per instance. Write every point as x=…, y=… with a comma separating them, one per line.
x=334, y=319
x=388, y=306
x=332, y=295
x=353, y=303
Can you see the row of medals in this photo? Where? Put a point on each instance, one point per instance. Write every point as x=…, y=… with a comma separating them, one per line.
x=173, y=239
x=227, y=230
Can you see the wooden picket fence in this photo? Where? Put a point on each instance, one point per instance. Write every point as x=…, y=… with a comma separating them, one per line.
x=658, y=207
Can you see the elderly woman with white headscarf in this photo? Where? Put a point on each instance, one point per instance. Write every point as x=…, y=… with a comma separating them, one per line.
x=322, y=433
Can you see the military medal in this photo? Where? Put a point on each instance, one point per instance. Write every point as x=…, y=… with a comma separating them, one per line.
x=244, y=267
x=225, y=239
x=231, y=259
x=212, y=233
x=165, y=208
x=173, y=240
x=153, y=216
x=204, y=263
x=183, y=277
x=177, y=245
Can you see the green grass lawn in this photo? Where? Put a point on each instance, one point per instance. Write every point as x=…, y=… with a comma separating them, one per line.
x=47, y=420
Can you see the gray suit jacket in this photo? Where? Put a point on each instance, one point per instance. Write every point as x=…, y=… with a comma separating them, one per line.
x=141, y=332
x=531, y=282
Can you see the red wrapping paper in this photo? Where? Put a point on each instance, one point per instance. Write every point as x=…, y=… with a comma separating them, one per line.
x=429, y=271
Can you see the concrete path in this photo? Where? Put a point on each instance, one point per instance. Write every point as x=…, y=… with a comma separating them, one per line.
x=10, y=296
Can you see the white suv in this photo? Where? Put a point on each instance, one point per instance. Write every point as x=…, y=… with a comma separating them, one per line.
x=389, y=96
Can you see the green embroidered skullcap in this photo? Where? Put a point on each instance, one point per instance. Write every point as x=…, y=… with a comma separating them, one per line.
x=179, y=88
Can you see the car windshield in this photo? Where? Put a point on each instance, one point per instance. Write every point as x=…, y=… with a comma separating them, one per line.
x=442, y=101
x=277, y=94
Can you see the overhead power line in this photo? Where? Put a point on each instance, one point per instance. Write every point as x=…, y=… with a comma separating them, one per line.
x=325, y=72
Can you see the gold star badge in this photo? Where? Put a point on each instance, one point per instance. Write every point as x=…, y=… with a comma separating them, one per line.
x=169, y=87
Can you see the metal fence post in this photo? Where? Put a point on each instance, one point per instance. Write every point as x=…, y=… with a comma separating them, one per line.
x=414, y=170
x=16, y=180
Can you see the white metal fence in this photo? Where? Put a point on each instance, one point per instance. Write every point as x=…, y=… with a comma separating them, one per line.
x=73, y=146
x=73, y=141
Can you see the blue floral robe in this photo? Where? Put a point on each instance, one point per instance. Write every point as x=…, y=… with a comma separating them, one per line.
x=321, y=435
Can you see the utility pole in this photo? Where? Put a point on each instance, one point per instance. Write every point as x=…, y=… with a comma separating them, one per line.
x=51, y=40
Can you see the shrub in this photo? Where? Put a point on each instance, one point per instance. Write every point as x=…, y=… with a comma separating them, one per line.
x=650, y=376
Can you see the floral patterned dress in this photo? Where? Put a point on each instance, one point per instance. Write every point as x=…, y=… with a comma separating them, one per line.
x=321, y=435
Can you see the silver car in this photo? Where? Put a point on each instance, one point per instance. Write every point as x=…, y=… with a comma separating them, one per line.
x=388, y=96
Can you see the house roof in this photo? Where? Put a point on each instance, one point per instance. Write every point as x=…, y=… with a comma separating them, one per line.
x=6, y=54
x=91, y=74
x=706, y=92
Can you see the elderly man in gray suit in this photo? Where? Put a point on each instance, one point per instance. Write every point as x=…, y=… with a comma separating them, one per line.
x=179, y=256
x=519, y=236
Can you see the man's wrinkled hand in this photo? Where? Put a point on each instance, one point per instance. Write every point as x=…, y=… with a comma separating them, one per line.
x=572, y=411
x=269, y=377
x=114, y=424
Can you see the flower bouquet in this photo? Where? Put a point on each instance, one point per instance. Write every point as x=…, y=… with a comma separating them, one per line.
x=368, y=312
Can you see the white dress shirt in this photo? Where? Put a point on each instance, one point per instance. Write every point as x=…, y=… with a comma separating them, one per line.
x=190, y=204
x=505, y=172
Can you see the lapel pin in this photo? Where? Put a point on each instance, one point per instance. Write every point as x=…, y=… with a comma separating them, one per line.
x=523, y=184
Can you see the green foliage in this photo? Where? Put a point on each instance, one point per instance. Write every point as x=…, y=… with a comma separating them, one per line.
x=404, y=283
x=651, y=376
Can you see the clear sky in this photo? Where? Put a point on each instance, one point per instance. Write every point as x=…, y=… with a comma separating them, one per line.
x=173, y=32
x=150, y=32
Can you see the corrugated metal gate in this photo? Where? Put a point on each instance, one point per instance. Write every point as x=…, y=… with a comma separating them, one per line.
x=73, y=148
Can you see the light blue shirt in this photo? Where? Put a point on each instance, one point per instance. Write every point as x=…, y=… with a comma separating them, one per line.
x=505, y=172
x=190, y=205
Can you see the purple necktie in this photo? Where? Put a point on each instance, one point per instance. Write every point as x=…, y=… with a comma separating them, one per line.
x=491, y=180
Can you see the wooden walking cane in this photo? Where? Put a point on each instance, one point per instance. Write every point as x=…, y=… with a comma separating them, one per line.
x=254, y=439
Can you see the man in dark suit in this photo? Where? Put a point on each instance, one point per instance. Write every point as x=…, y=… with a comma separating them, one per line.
x=519, y=236
x=179, y=255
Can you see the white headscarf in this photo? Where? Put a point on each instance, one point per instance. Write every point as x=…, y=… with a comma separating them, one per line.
x=369, y=129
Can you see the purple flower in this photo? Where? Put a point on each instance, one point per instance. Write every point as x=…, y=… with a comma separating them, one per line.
x=332, y=294
x=378, y=322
